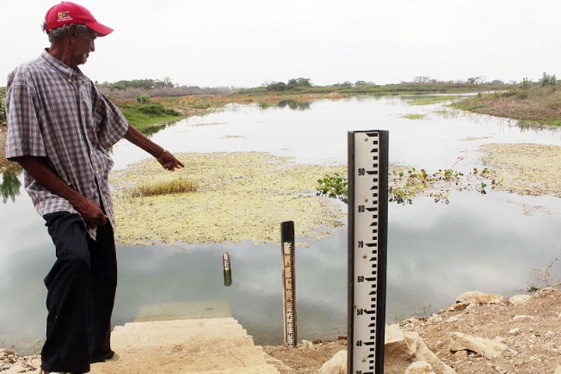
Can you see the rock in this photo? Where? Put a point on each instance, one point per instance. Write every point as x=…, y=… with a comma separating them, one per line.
x=545, y=292
x=558, y=370
x=486, y=347
x=501, y=370
x=477, y=297
x=336, y=364
x=402, y=348
x=419, y=367
x=519, y=299
x=453, y=319
x=307, y=344
x=456, y=307
x=521, y=317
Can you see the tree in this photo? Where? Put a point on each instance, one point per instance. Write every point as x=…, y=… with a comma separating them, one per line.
x=344, y=84
x=421, y=79
x=548, y=80
x=475, y=80
x=299, y=82
x=276, y=86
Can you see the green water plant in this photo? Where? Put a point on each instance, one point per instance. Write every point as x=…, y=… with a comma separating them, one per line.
x=334, y=185
x=406, y=184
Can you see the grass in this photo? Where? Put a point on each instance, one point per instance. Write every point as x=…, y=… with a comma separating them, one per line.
x=429, y=100
x=163, y=188
x=535, y=104
x=414, y=116
x=144, y=116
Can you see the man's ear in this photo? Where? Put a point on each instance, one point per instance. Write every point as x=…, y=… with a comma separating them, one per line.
x=72, y=31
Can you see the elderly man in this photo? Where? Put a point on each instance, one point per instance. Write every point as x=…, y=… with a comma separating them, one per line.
x=59, y=128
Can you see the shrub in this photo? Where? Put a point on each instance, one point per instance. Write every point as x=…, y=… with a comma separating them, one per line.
x=525, y=84
x=142, y=98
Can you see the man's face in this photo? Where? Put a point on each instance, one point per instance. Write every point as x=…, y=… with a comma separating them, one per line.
x=83, y=45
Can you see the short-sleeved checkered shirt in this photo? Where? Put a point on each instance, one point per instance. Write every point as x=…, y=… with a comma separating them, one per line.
x=57, y=113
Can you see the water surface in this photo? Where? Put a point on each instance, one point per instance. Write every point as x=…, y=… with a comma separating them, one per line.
x=435, y=251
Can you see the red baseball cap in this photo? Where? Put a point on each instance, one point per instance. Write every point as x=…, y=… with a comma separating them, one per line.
x=67, y=13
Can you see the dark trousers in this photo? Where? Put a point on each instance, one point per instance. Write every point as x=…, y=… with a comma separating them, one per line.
x=81, y=293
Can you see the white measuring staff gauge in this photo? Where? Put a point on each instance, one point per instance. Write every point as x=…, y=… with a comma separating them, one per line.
x=368, y=202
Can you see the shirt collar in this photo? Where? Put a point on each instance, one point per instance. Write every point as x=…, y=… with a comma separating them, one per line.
x=61, y=68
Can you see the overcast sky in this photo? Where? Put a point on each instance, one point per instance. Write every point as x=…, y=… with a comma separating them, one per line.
x=244, y=43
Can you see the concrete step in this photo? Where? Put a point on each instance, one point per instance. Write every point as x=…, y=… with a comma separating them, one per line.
x=216, y=345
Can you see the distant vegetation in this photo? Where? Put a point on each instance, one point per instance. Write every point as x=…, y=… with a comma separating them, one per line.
x=158, y=88
x=534, y=102
x=419, y=85
x=149, y=102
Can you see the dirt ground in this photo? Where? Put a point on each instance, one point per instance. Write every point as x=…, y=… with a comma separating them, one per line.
x=530, y=331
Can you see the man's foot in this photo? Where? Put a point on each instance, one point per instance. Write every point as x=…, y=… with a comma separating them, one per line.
x=109, y=356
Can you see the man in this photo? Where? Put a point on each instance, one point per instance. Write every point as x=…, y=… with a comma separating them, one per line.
x=59, y=127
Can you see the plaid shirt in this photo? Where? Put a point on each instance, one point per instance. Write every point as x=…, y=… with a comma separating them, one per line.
x=57, y=113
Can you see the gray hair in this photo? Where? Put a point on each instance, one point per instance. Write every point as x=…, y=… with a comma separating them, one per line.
x=57, y=34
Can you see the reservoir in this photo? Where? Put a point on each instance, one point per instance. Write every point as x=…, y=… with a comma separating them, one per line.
x=494, y=243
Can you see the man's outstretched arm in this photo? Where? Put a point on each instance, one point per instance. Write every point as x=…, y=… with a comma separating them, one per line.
x=166, y=159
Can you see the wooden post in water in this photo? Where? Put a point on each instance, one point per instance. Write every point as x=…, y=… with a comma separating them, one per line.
x=289, y=283
x=227, y=269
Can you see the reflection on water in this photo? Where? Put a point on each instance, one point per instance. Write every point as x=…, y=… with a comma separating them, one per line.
x=10, y=186
x=490, y=243
x=289, y=103
x=294, y=105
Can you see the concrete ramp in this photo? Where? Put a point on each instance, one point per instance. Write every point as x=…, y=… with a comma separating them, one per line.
x=216, y=345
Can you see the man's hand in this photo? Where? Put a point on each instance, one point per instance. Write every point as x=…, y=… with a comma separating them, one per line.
x=91, y=213
x=169, y=162
x=37, y=167
x=166, y=159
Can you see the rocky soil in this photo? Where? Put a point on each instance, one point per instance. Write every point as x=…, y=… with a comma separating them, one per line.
x=478, y=334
